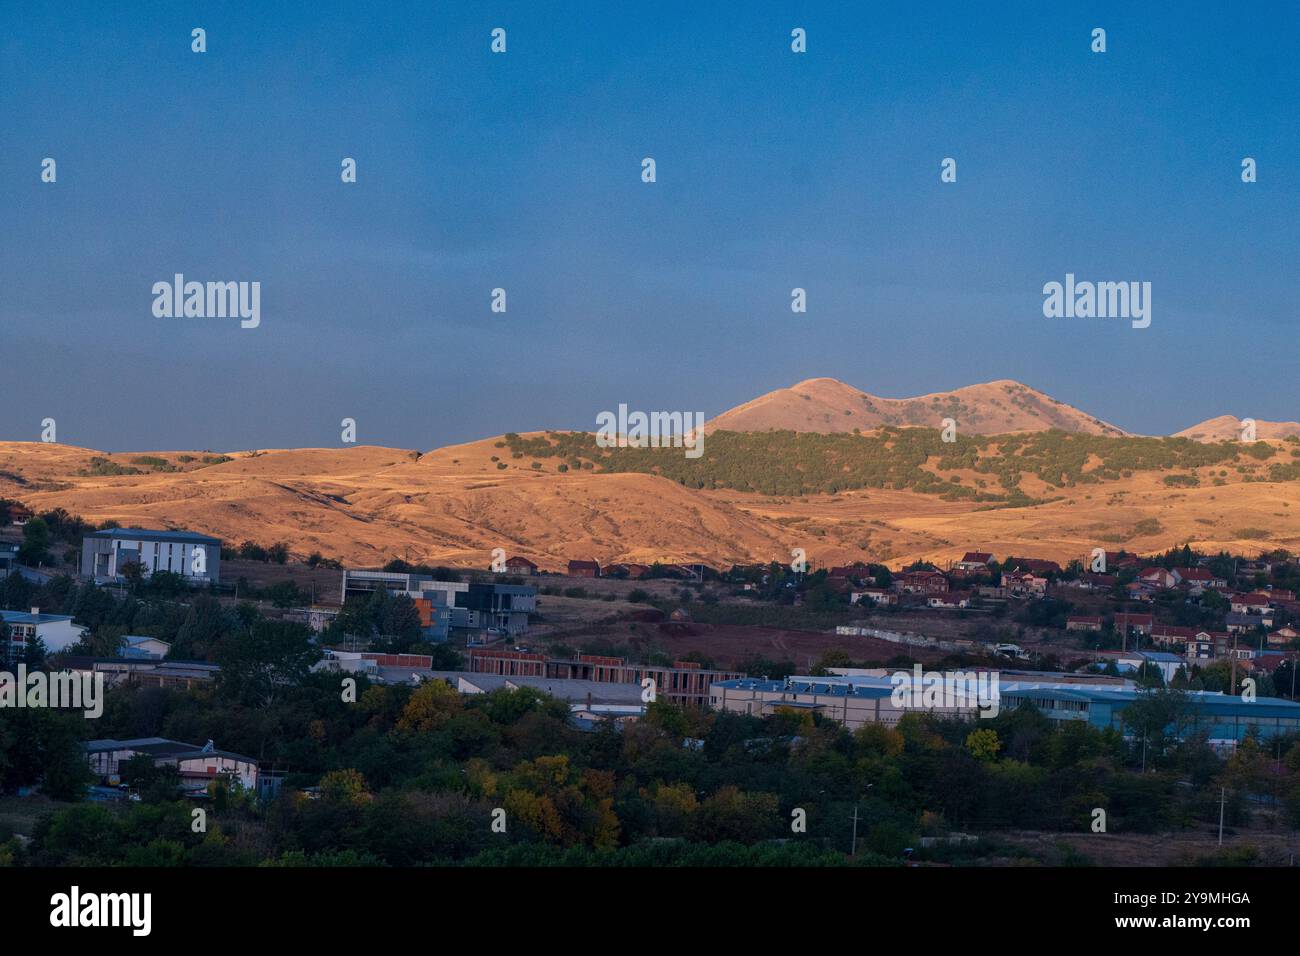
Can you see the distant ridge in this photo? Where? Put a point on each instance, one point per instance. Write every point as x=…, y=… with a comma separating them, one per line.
x=1228, y=427
x=826, y=405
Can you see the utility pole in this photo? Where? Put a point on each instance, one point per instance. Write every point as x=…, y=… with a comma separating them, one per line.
x=1222, y=795
x=854, y=850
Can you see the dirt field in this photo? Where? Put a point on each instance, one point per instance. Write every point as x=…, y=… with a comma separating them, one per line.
x=327, y=585
x=1274, y=847
x=586, y=625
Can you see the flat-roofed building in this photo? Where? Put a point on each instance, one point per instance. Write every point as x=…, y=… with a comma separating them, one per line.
x=146, y=672
x=435, y=601
x=500, y=607
x=55, y=631
x=148, y=648
x=855, y=701
x=196, y=557
x=196, y=765
x=8, y=559
x=684, y=683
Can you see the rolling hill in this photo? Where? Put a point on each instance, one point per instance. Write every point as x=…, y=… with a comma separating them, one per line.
x=1026, y=474
x=1054, y=494
x=1228, y=428
x=826, y=405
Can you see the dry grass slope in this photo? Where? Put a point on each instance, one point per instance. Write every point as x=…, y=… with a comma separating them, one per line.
x=366, y=505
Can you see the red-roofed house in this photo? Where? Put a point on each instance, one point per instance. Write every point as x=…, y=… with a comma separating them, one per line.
x=1166, y=635
x=1126, y=622
x=856, y=571
x=922, y=582
x=1024, y=583
x=974, y=561
x=632, y=571
x=1200, y=579
x=1282, y=637
x=584, y=569
x=518, y=565
x=1158, y=577
x=1036, y=565
x=1253, y=603
x=1269, y=661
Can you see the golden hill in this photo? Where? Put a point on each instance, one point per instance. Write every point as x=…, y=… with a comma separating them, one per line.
x=826, y=405
x=1228, y=428
x=367, y=505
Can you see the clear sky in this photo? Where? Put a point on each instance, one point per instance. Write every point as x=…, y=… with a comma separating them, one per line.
x=522, y=171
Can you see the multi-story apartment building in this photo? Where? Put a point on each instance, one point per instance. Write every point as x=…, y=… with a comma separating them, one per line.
x=197, y=557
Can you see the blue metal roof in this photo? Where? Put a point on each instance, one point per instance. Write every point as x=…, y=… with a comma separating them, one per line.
x=1205, y=702
x=26, y=617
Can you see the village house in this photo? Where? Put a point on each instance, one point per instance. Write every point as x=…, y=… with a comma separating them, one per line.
x=974, y=562
x=1200, y=647
x=1199, y=580
x=1160, y=578
x=1244, y=623
x=852, y=572
x=520, y=565
x=951, y=601
x=19, y=514
x=1128, y=623
x=633, y=572
x=921, y=582
x=1024, y=584
x=1253, y=603
x=1083, y=622
x=690, y=572
x=1267, y=662
x=1140, y=591
x=876, y=596
x=1282, y=637
x=1036, y=565
x=584, y=569
x=1217, y=645
x=1167, y=635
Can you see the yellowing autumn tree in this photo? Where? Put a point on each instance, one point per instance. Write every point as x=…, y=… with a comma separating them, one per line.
x=983, y=744
x=432, y=705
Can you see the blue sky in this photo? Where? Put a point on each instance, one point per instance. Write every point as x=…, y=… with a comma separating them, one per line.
x=522, y=171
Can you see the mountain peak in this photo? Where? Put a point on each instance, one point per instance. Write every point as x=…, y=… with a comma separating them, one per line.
x=828, y=405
